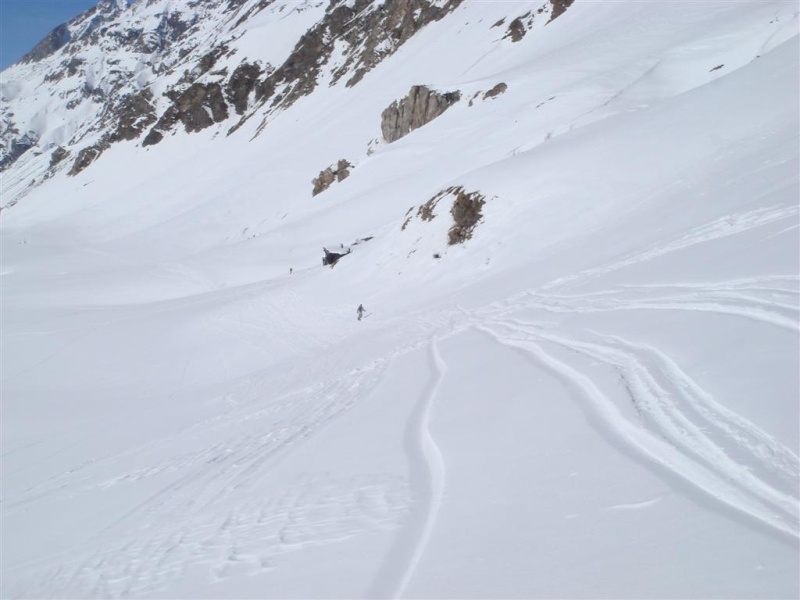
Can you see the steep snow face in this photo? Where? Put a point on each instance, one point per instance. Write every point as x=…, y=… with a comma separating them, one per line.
x=593, y=394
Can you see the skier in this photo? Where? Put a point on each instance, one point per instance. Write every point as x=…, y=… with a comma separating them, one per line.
x=290, y=270
x=360, y=311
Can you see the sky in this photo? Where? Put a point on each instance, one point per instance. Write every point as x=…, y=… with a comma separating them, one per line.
x=23, y=23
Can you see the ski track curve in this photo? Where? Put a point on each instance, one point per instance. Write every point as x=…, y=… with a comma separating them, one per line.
x=665, y=434
x=427, y=475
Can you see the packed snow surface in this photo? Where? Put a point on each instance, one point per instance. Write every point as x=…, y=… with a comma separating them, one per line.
x=595, y=396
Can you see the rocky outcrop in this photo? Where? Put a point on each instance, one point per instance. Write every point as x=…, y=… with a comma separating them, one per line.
x=467, y=213
x=53, y=41
x=241, y=84
x=136, y=113
x=521, y=25
x=86, y=157
x=421, y=106
x=58, y=155
x=198, y=107
x=500, y=88
x=516, y=29
x=330, y=175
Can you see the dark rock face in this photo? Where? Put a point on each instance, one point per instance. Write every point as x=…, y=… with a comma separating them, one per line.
x=209, y=59
x=86, y=157
x=136, y=113
x=52, y=42
x=331, y=174
x=58, y=155
x=17, y=148
x=331, y=257
x=152, y=138
x=200, y=106
x=516, y=30
x=419, y=107
x=241, y=84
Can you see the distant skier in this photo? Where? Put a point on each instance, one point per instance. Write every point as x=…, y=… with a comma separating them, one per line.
x=360, y=311
x=290, y=270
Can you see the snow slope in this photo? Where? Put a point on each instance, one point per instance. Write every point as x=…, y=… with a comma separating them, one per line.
x=595, y=396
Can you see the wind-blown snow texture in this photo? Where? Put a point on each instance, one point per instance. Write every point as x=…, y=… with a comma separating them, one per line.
x=594, y=396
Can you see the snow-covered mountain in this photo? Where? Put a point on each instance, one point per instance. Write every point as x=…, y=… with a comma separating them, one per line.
x=575, y=230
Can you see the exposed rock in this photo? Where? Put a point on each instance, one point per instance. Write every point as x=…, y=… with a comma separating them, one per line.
x=331, y=174
x=323, y=181
x=198, y=107
x=17, y=148
x=209, y=59
x=86, y=157
x=136, y=113
x=331, y=257
x=521, y=25
x=425, y=211
x=152, y=138
x=52, y=42
x=500, y=88
x=466, y=213
x=408, y=216
x=419, y=107
x=516, y=29
x=241, y=84
x=58, y=155
x=342, y=170
x=559, y=7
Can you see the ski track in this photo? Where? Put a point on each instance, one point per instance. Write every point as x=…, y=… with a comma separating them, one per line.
x=426, y=481
x=721, y=228
x=427, y=459
x=664, y=433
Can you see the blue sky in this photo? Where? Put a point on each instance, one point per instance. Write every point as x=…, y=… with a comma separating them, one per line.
x=24, y=22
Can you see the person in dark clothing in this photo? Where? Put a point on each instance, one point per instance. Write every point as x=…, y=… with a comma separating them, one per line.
x=360, y=311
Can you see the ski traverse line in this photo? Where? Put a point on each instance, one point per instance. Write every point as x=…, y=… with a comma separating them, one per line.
x=754, y=309
x=763, y=504
x=720, y=228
